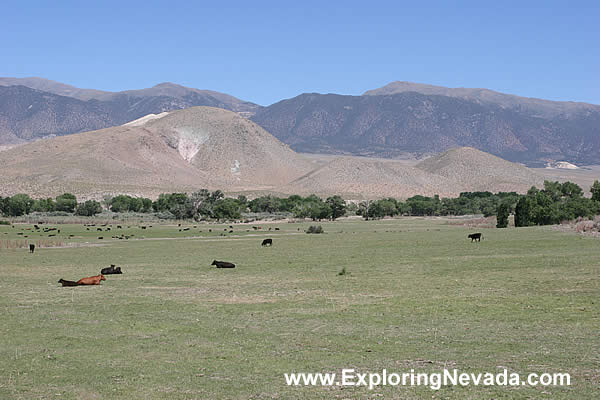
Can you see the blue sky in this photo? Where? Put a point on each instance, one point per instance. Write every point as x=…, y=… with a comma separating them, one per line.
x=265, y=51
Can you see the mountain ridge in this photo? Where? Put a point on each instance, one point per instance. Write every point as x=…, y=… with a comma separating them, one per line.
x=409, y=122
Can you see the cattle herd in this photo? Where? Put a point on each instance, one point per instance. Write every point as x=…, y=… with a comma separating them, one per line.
x=112, y=270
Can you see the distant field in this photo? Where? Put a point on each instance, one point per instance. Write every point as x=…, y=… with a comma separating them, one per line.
x=417, y=295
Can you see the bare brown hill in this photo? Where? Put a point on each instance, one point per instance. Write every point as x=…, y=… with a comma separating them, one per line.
x=200, y=147
x=447, y=174
x=359, y=177
x=473, y=170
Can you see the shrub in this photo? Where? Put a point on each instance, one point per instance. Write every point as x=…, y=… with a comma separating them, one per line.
x=315, y=229
x=4, y=222
x=165, y=215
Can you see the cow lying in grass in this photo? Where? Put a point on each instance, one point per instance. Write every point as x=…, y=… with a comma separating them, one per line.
x=92, y=280
x=223, y=264
x=67, y=283
x=111, y=270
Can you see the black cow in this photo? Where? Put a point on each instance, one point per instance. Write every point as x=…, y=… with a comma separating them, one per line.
x=475, y=237
x=267, y=242
x=223, y=264
x=67, y=283
x=111, y=270
x=31, y=248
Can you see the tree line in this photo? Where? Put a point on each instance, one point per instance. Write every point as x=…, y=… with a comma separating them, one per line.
x=550, y=205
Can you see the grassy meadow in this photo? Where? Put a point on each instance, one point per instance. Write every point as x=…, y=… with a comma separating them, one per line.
x=417, y=294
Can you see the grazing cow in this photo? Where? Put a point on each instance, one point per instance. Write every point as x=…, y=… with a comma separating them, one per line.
x=143, y=227
x=67, y=283
x=111, y=270
x=92, y=280
x=119, y=227
x=99, y=229
x=223, y=264
x=100, y=237
x=276, y=229
x=475, y=237
x=267, y=242
x=31, y=248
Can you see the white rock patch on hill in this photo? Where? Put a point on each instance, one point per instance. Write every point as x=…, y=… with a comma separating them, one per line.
x=190, y=141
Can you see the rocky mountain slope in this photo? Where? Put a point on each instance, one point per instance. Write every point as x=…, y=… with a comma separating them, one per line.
x=389, y=125
x=46, y=108
x=535, y=107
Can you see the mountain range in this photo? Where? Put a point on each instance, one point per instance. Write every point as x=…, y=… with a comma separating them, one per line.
x=399, y=120
x=34, y=108
x=391, y=125
x=207, y=147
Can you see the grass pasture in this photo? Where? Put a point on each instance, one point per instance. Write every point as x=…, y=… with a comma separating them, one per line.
x=417, y=294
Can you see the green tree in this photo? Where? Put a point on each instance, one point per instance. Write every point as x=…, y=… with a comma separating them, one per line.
x=66, y=202
x=89, y=208
x=337, y=206
x=382, y=208
x=121, y=203
x=595, y=190
x=4, y=205
x=502, y=213
x=44, y=205
x=319, y=210
x=227, y=209
x=19, y=204
x=146, y=205
x=523, y=212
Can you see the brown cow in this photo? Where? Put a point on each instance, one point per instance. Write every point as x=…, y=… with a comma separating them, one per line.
x=92, y=280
